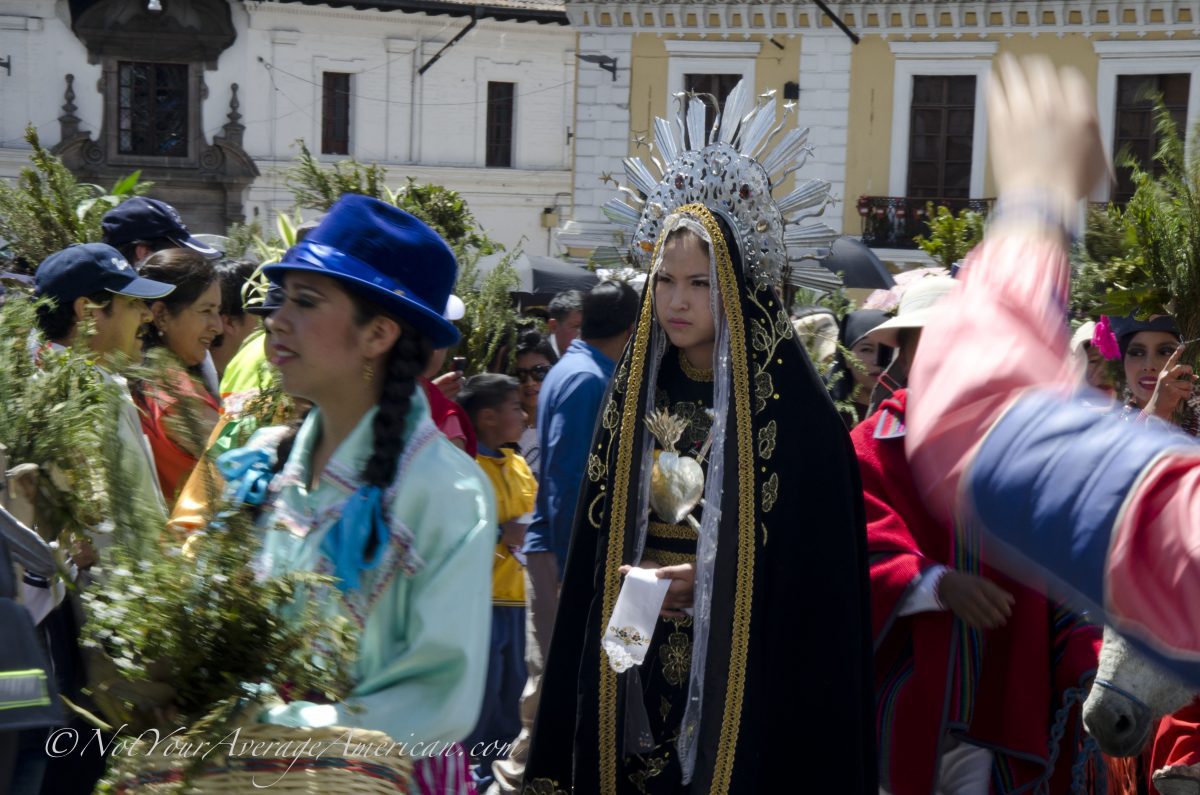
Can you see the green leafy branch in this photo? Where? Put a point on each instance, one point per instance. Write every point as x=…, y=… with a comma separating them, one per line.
x=951, y=237
x=48, y=209
x=490, y=324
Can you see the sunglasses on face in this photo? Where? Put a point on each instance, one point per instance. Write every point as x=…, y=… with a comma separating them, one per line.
x=537, y=373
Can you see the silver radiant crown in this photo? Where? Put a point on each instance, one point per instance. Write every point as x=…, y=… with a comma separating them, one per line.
x=735, y=166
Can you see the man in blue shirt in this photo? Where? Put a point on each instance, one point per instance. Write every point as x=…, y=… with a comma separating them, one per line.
x=568, y=405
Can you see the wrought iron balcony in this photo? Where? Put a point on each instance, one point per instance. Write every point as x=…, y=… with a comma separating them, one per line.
x=896, y=221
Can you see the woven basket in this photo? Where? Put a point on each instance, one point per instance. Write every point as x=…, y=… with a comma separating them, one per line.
x=338, y=760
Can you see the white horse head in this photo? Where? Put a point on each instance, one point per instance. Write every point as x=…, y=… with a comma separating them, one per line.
x=1129, y=695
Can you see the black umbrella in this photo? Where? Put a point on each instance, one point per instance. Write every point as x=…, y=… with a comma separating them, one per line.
x=857, y=264
x=550, y=276
x=542, y=278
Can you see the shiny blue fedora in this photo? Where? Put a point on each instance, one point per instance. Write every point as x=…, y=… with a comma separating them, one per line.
x=385, y=255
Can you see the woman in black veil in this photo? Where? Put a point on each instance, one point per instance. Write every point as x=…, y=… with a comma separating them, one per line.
x=766, y=680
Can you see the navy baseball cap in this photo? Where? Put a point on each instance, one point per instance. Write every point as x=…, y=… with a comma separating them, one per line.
x=272, y=300
x=90, y=268
x=141, y=218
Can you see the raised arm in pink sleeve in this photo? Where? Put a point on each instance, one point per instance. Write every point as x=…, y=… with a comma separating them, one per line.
x=1106, y=511
x=998, y=334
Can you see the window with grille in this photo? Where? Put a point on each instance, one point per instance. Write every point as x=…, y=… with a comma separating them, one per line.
x=717, y=86
x=940, y=138
x=1134, y=128
x=152, y=109
x=500, y=124
x=335, y=113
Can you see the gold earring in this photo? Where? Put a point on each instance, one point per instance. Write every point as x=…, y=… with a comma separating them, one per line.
x=368, y=371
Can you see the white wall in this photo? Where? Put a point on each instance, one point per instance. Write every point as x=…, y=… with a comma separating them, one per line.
x=825, y=109
x=431, y=127
x=383, y=50
x=601, y=137
x=36, y=35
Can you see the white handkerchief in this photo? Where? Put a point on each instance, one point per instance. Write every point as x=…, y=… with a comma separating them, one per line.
x=632, y=624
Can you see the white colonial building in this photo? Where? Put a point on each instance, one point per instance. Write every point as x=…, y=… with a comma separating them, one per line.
x=894, y=101
x=528, y=107
x=208, y=99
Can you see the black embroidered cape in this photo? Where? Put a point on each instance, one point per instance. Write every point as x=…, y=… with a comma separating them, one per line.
x=788, y=700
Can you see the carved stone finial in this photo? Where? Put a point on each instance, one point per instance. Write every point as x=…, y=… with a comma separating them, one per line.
x=68, y=121
x=233, y=129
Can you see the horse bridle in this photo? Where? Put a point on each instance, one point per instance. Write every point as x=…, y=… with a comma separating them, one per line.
x=1137, y=702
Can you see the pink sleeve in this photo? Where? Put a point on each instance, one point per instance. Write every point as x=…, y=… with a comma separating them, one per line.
x=1154, y=556
x=452, y=428
x=1003, y=332
x=1000, y=332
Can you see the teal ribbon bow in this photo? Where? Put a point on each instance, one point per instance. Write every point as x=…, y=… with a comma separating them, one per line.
x=346, y=542
x=248, y=473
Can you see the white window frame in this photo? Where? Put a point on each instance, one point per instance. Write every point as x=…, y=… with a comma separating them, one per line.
x=917, y=59
x=709, y=58
x=1120, y=58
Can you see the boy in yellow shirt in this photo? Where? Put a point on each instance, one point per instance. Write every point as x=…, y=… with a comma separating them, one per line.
x=493, y=403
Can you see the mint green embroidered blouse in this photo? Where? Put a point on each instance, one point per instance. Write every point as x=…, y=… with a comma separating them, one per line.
x=424, y=612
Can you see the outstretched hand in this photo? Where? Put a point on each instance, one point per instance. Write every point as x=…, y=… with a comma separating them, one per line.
x=1174, y=386
x=1044, y=133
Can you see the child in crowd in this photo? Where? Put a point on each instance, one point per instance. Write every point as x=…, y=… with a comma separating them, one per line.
x=494, y=405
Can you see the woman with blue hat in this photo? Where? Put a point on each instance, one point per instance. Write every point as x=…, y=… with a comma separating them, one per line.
x=370, y=491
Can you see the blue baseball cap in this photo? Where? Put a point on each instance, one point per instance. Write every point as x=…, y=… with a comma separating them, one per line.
x=142, y=218
x=90, y=268
x=272, y=300
x=385, y=255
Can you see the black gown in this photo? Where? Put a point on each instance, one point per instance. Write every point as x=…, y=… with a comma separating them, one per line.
x=788, y=695
x=685, y=393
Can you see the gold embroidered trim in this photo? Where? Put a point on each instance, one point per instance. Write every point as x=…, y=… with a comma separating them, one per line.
x=664, y=530
x=666, y=557
x=631, y=386
x=770, y=492
x=595, y=468
x=676, y=656
x=744, y=436
x=766, y=440
x=693, y=372
x=653, y=767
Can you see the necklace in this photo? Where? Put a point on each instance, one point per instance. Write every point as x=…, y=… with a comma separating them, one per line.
x=693, y=372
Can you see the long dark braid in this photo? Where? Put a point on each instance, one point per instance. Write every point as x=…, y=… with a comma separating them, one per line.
x=406, y=361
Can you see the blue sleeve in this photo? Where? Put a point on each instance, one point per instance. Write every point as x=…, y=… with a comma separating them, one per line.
x=1049, y=484
x=1050, y=479
x=566, y=438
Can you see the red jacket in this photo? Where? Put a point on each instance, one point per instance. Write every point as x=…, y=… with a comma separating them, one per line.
x=1001, y=688
x=450, y=418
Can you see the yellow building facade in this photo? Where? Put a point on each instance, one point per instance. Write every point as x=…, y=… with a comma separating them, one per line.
x=898, y=116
